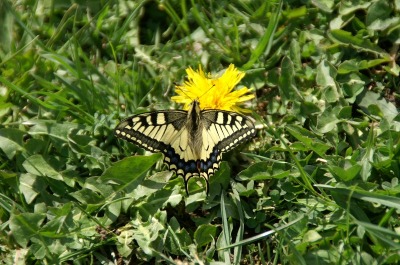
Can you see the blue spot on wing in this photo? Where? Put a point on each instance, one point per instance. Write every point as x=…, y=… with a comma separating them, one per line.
x=191, y=168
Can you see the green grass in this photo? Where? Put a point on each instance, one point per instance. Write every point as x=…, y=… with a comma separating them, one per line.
x=318, y=185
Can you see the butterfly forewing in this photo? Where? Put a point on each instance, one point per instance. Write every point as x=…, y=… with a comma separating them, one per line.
x=228, y=129
x=191, y=141
x=152, y=130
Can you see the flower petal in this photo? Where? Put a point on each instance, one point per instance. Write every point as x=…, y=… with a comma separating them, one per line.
x=213, y=93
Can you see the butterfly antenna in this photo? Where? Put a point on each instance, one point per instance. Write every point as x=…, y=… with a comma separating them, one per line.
x=207, y=90
x=176, y=84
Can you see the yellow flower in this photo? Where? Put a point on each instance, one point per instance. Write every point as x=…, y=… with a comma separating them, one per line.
x=213, y=93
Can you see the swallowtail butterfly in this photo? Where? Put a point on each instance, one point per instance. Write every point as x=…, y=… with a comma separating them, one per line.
x=192, y=141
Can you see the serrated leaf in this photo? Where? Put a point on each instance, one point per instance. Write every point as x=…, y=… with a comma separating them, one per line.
x=177, y=241
x=355, y=65
x=61, y=222
x=345, y=37
x=53, y=129
x=349, y=7
x=87, y=196
x=373, y=197
x=384, y=24
x=308, y=139
x=264, y=171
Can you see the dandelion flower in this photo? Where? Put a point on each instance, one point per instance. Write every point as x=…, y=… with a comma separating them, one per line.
x=213, y=93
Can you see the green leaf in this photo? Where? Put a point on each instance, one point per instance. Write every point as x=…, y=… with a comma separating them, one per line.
x=24, y=226
x=355, y=65
x=152, y=184
x=11, y=141
x=147, y=234
x=129, y=172
x=374, y=104
x=378, y=11
x=179, y=240
x=130, y=168
x=159, y=200
x=352, y=86
x=346, y=173
x=88, y=196
x=24, y=93
x=311, y=236
x=348, y=7
x=263, y=171
x=387, y=237
x=367, y=196
x=205, y=234
x=124, y=241
x=61, y=222
x=38, y=166
x=326, y=75
x=384, y=24
x=345, y=37
x=324, y=5
x=394, y=69
x=287, y=85
x=328, y=120
x=31, y=185
x=310, y=140
x=54, y=129
x=309, y=108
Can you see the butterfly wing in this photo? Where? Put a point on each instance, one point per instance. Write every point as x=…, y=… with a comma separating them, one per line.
x=153, y=131
x=222, y=131
x=163, y=131
x=227, y=129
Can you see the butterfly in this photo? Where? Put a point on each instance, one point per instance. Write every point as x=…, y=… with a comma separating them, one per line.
x=192, y=141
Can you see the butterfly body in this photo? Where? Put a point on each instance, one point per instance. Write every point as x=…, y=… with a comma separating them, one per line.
x=192, y=141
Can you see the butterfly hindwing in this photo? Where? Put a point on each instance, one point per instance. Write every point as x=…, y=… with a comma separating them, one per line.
x=191, y=141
